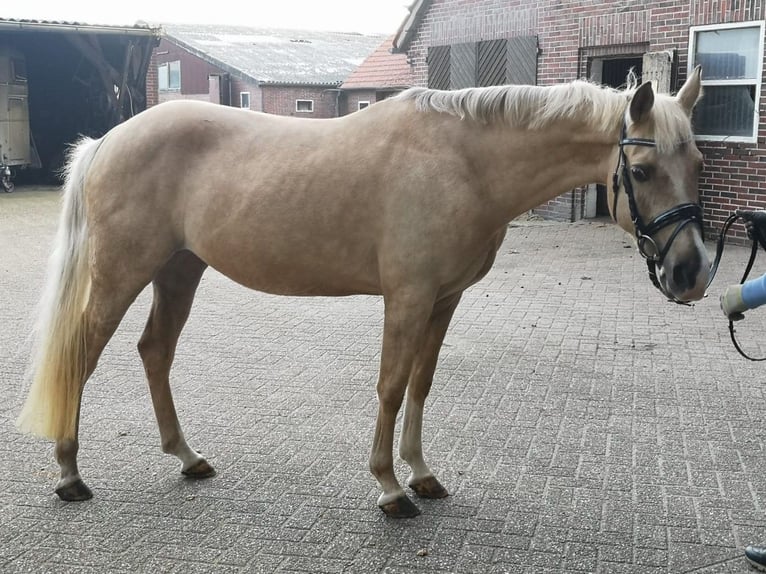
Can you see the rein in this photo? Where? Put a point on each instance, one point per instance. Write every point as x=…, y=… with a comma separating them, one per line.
x=757, y=239
x=682, y=214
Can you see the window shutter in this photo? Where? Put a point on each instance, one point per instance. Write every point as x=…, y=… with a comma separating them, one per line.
x=493, y=62
x=439, y=67
x=462, y=66
x=522, y=60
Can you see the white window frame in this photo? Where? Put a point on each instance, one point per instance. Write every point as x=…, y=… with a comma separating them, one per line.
x=309, y=111
x=693, y=30
x=166, y=67
x=242, y=97
x=360, y=105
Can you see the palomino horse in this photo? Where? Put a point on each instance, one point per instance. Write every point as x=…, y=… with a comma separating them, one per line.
x=408, y=199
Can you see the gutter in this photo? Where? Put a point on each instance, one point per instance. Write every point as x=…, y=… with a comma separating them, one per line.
x=6, y=25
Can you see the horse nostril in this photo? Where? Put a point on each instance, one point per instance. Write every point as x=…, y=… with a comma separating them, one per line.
x=685, y=274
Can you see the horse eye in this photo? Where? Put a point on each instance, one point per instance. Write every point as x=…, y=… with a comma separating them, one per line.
x=639, y=173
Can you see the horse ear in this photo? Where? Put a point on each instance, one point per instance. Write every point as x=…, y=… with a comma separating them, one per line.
x=642, y=102
x=690, y=92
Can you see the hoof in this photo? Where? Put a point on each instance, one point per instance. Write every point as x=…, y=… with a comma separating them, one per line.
x=401, y=507
x=74, y=491
x=429, y=487
x=199, y=470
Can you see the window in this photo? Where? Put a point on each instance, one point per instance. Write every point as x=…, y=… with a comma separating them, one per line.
x=244, y=100
x=487, y=63
x=169, y=76
x=731, y=57
x=363, y=105
x=304, y=106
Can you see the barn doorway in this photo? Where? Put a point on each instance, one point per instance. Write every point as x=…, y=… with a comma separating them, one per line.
x=613, y=72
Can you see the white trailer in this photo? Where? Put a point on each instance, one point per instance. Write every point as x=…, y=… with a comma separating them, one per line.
x=15, y=142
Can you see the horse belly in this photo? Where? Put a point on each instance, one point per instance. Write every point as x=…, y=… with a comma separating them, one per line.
x=280, y=271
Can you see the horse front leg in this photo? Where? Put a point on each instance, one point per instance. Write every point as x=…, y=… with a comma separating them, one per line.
x=405, y=320
x=421, y=480
x=174, y=288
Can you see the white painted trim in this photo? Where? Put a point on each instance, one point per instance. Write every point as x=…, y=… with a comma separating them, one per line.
x=693, y=30
x=304, y=111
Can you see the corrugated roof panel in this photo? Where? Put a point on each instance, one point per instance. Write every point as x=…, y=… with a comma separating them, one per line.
x=278, y=56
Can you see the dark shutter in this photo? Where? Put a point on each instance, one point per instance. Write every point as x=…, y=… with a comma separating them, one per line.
x=462, y=66
x=439, y=67
x=522, y=60
x=489, y=63
x=493, y=63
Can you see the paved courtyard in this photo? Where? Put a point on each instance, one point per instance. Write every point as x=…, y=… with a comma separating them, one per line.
x=581, y=424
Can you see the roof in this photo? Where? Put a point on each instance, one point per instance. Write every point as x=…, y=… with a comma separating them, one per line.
x=382, y=70
x=276, y=56
x=410, y=25
x=139, y=29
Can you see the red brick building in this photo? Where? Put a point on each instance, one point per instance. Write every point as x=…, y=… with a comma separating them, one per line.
x=382, y=75
x=453, y=43
x=284, y=72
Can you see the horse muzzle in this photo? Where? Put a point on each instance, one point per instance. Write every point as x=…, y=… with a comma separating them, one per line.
x=685, y=278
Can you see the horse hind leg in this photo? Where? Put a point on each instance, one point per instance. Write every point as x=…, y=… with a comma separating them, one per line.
x=107, y=304
x=421, y=480
x=174, y=289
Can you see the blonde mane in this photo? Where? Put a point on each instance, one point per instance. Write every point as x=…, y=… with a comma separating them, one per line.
x=535, y=107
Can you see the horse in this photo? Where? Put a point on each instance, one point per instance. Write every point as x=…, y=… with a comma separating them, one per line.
x=408, y=199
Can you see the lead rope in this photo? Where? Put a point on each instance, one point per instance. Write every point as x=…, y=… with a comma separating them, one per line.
x=714, y=269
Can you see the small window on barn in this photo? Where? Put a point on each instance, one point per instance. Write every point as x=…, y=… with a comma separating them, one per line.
x=244, y=100
x=731, y=56
x=169, y=76
x=304, y=106
x=363, y=105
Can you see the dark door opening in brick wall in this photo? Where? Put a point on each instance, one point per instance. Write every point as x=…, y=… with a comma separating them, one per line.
x=613, y=72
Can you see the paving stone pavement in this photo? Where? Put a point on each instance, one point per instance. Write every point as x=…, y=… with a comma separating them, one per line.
x=581, y=423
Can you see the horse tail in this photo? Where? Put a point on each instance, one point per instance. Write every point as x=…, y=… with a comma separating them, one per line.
x=58, y=367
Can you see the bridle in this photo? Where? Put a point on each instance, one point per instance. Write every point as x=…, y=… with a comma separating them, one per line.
x=682, y=214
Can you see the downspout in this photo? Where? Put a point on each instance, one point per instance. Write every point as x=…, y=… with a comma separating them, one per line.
x=337, y=100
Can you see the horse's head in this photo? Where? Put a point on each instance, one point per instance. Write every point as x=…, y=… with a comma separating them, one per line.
x=654, y=188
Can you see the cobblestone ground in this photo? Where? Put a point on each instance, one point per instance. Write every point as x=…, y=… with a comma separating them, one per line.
x=581, y=423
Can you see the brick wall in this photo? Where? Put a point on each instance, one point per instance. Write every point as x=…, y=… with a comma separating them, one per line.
x=353, y=97
x=152, y=89
x=237, y=86
x=194, y=70
x=571, y=32
x=195, y=85
x=281, y=100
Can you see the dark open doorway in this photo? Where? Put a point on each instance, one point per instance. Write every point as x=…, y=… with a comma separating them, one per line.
x=80, y=80
x=612, y=72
